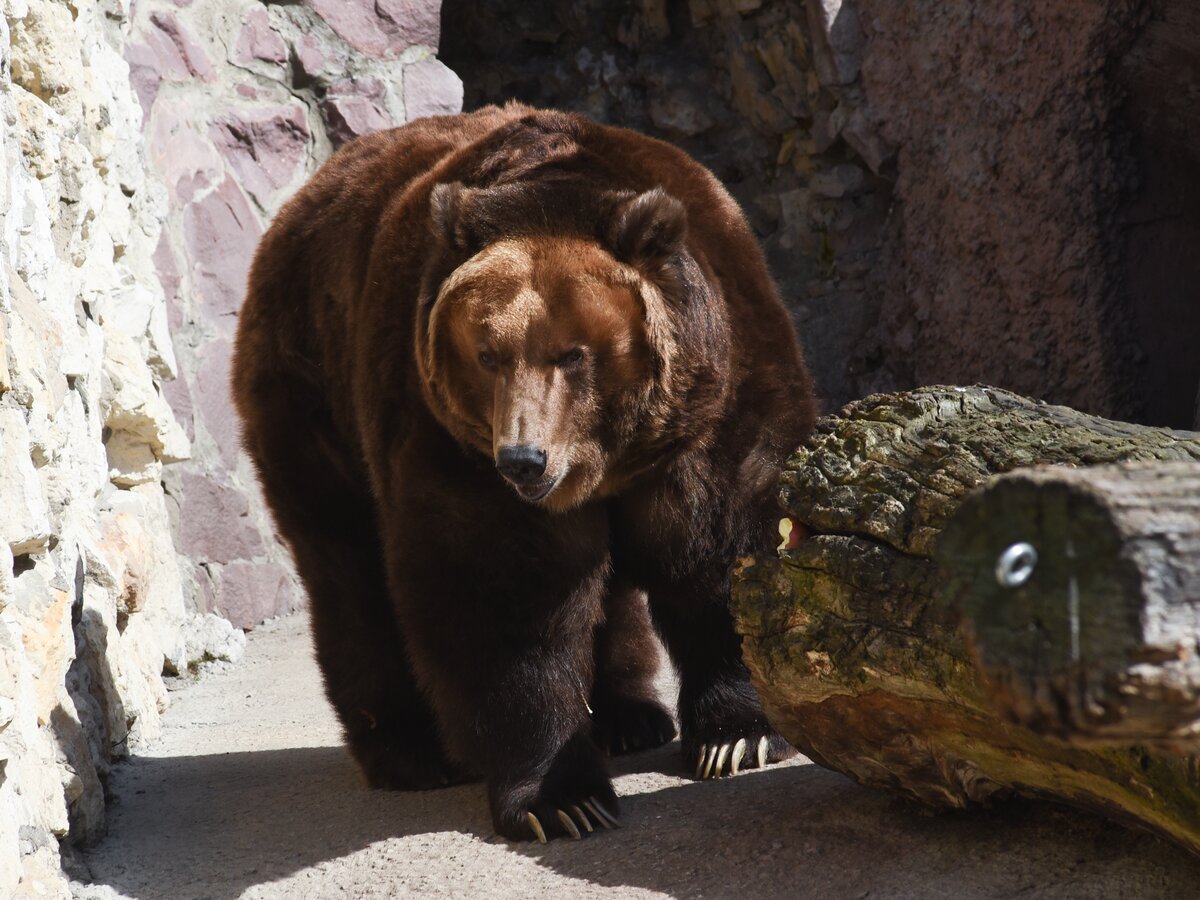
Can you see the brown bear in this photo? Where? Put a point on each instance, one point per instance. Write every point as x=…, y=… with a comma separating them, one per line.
x=505, y=375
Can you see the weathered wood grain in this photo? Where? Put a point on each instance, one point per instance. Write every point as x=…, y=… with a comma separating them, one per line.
x=859, y=661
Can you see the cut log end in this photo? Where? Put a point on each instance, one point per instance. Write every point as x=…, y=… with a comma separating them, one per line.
x=1080, y=595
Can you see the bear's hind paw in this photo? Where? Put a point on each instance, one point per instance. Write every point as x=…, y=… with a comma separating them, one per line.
x=716, y=759
x=387, y=768
x=626, y=724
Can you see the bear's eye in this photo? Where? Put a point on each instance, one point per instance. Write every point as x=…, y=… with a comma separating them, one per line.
x=572, y=357
x=487, y=359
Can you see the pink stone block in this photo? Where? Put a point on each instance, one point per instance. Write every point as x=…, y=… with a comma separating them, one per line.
x=353, y=108
x=264, y=147
x=166, y=267
x=144, y=74
x=312, y=55
x=188, y=51
x=220, y=232
x=251, y=592
x=163, y=57
x=431, y=89
x=179, y=398
x=381, y=28
x=206, y=593
x=257, y=40
x=213, y=393
x=187, y=163
x=214, y=523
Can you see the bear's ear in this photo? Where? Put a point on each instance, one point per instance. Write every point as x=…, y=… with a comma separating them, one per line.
x=446, y=203
x=648, y=229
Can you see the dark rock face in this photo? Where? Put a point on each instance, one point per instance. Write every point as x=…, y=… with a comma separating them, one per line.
x=734, y=85
x=1007, y=181
x=947, y=192
x=1159, y=218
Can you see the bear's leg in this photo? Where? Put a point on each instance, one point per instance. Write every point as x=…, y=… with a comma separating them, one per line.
x=626, y=714
x=722, y=725
x=509, y=672
x=389, y=726
x=324, y=512
x=500, y=603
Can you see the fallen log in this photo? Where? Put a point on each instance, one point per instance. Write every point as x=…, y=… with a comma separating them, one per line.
x=858, y=658
x=1080, y=596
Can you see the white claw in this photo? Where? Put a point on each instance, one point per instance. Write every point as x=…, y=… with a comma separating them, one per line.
x=735, y=758
x=536, y=826
x=568, y=824
x=762, y=752
x=709, y=760
x=700, y=761
x=598, y=808
x=583, y=819
x=724, y=752
x=595, y=812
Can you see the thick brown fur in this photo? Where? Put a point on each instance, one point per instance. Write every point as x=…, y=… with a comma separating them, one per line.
x=514, y=277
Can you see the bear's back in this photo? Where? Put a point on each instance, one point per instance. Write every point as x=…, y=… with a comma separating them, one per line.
x=311, y=265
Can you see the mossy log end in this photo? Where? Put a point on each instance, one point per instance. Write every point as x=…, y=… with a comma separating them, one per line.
x=858, y=658
x=1080, y=596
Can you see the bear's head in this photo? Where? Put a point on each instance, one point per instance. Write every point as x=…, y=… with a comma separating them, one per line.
x=561, y=354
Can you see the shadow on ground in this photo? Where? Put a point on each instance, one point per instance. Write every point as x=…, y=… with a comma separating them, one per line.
x=216, y=826
x=803, y=831
x=213, y=826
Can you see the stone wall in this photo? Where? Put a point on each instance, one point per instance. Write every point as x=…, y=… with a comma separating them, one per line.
x=947, y=192
x=92, y=608
x=241, y=101
x=145, y=147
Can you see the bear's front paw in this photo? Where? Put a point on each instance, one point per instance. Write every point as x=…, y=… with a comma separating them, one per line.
x=728, y=755
x=623, y=724
x=547, y=820
x=574, y=797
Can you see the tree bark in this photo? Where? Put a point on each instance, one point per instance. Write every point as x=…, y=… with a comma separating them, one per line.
x=857, y=656
x=1080, y=596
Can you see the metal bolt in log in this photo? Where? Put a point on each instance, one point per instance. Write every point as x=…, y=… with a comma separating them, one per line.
x=1101, y=639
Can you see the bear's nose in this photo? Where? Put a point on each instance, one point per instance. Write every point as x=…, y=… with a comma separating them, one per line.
x=521, y=463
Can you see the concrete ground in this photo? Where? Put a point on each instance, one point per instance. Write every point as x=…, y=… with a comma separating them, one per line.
x=250, y=794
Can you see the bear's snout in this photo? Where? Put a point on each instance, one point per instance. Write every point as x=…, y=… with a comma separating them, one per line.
x=524, y=467
x=521, y=463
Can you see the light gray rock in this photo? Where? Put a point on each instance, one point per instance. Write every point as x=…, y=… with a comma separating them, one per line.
x=210, y=637
x=92, y=604
x=142, y=432
x=25, y=524
x=837, y=40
